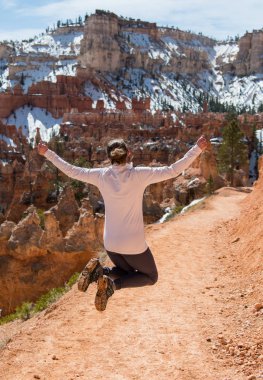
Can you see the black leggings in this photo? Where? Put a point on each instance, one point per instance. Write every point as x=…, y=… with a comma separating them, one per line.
x=132, y=271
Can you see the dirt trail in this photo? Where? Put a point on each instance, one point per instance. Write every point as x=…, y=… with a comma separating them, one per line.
x=163, y=332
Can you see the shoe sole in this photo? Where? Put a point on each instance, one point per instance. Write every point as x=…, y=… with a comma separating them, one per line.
x=101, y=298
x=84, y=280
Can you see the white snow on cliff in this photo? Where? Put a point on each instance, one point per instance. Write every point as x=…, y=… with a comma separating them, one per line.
x=52, y=44
x=226, y=52
x=29, y=119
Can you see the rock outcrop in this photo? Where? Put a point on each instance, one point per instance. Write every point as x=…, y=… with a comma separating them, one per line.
x=249, y=57
x=100, y=49
x=35, y=256
x=66, y=211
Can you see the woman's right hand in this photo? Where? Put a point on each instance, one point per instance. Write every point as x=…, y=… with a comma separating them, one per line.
x=202, y=142
x=42, y=148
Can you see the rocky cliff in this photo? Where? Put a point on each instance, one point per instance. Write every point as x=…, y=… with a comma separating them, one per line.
x=44, y=249
x=249, y=58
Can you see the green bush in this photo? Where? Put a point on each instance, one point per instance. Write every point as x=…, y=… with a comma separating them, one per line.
x=28, y=309
x=24, y=311
x=175, y=211
x=52, y=296
x=41, y=216
x=73, y=279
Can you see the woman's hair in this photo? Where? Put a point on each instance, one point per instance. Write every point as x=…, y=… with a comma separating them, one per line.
x=117, y=151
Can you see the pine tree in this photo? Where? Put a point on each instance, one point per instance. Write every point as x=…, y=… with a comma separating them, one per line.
x=22, y=79
x=232, y=152
x=255, y=147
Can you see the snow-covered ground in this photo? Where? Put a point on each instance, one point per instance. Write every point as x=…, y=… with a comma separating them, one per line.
x=32, y=118
x=193, y=203
x=52, y=44
x=226, y=52
x=165, y=91
x=97, y=94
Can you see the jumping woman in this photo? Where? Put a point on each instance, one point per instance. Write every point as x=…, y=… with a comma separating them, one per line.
x=122, y=187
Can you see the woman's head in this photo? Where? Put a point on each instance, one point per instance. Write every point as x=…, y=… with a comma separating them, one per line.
x=117, y=151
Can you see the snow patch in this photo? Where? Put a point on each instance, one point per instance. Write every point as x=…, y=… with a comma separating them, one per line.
x=32, y=118
x=226, y=52
x=97, y=94
x=52, y=44
x=193, y=203
x=8, y=141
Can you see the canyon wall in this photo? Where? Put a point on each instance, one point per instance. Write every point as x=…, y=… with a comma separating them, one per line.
x=249, y=58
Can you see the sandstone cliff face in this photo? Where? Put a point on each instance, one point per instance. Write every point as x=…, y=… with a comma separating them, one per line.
x=5, y=51
x=111, y=43
x=100, y=49
x=249, y=58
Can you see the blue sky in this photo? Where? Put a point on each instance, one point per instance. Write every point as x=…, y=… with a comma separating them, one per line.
x=214, y=18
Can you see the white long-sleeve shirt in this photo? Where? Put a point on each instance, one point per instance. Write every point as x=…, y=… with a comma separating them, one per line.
x=122, y=188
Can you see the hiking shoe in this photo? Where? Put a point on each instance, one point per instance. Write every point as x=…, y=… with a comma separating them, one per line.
x=92, y=271
x=104, y=292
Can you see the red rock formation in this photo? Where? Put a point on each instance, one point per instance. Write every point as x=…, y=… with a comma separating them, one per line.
x=66, y=211
x=40, y=256
x=121, y=106
x=100, y=105
x=10, y=102
x=139, y=105
x=57, y=98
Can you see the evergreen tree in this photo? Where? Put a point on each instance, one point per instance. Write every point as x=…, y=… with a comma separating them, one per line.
x=255, y=147
x=232, y=152
x=22, y=79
